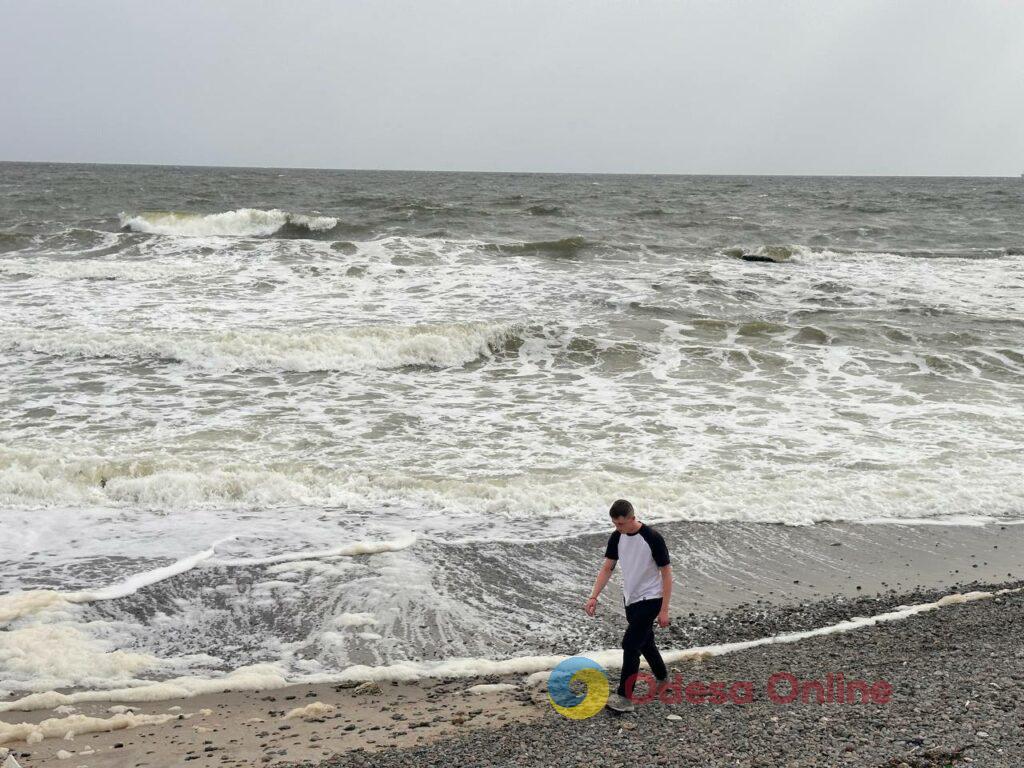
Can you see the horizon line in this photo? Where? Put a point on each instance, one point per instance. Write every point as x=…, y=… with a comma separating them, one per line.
x=507, y=172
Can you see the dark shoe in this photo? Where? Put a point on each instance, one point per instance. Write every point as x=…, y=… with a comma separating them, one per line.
x=620, y=704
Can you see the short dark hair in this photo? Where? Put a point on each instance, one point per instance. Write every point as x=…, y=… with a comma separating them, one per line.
x=621, y=508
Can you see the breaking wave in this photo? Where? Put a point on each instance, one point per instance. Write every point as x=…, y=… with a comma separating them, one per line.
x=346, y=349
x=244, y=222
x=60, y=476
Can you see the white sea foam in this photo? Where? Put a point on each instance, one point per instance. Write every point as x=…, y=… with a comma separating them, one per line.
x=244, y=222
x=269, y=676
x=59, y=654
x=148, y=578
x=311, y=711
x=503, y=507
x=18, y=604
x=97, y=269
x=251, y=678
x=343, y=349
x=75, y=725
x=354, y=620
x=347, y=550
x=492, y=688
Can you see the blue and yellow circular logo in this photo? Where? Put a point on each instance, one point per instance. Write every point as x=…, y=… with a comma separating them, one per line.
x=578, y=706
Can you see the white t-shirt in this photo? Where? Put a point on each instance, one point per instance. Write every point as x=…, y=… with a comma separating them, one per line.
x=641, y=554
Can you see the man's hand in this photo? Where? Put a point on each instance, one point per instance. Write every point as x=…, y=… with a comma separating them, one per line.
x=590, y=606
x=663, y=617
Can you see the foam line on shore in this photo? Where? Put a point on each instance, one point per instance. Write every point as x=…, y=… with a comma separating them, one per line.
x=348, y=550
x=17, y=604
x=612, y=658
x=271, y=676
x=76, y=725
x=258, y=677
x=148, y=578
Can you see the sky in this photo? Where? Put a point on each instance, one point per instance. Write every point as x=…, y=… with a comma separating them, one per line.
x=903, y=87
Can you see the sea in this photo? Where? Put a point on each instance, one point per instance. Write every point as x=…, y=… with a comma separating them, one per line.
x=306, y=422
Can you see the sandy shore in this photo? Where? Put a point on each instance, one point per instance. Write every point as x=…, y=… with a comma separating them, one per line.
x=805, y=578
x=257, y=728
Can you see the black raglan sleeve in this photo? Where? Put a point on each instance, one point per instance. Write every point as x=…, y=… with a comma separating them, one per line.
x=658, y=549
x=612, y=550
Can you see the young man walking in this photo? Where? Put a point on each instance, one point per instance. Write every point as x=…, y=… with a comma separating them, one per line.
x=646, y=589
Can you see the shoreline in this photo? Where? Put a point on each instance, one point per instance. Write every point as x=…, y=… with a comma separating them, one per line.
x=355, y=724
x=955, y=676
x=248, y=728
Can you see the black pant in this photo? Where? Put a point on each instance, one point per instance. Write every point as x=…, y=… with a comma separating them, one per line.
x=639, y=639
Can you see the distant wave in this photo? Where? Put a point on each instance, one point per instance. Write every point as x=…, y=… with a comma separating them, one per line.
x=345, y=349
x=567, y=246
x=861, y=207
x=544, y=210
x=244, y=222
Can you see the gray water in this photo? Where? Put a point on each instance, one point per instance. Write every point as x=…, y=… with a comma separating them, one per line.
x=295, y=366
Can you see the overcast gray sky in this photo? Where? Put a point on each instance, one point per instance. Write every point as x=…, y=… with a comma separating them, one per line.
x=845, y=87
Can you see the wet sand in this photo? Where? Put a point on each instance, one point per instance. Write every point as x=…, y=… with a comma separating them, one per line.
x=254, y=728
x=735, y=582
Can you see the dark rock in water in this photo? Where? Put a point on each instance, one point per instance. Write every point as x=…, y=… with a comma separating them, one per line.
x=773, y=253
x=767, y=253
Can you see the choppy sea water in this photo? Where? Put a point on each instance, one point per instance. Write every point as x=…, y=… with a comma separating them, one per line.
x=253, y=378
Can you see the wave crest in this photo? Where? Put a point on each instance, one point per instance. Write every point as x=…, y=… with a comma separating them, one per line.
x=243, y=222
x=348, y=349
